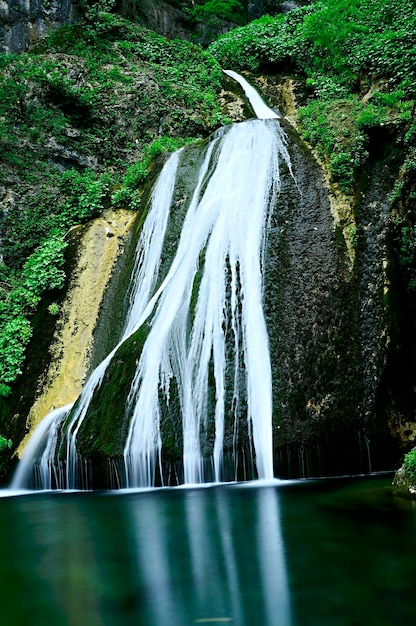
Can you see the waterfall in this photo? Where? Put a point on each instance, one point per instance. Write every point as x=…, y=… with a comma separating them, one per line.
x=227, y=223
x=41, y=447
x=207, y=331
x=260, y=108
x=143, y=280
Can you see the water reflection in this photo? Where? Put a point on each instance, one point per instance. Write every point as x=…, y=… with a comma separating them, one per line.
x=204, y=560
x=304, y=554
x=272, y=561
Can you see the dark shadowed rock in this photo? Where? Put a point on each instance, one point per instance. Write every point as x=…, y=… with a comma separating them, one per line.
x=23, y=23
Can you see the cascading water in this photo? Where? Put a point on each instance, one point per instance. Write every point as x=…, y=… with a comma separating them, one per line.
x=260, y=108
x=207, y=328
x=39, y=451
x=227, y=223
x=143, y=280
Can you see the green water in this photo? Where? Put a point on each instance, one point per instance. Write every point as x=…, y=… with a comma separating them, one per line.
x=339, y=552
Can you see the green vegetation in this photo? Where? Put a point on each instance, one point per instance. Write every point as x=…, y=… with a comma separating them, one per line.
x=332, y=43
x=358, y=64
x=83, y=116
x=409, y=464
x=42, y=272
x=404, y=197
x=5, y=444
x=210, y=11
x=128, y=193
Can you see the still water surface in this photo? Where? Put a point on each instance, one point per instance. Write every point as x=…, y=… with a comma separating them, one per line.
x=330, y=552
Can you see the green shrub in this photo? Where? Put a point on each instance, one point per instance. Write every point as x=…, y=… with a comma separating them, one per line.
x=334, y=127
x=44, y=268
x=262, y=42
x=128, y=194
x=53, y=308
x=84, y=194
x=409, y=464
x=211, y=10
x=14, y=337
x=42, y=271
x=5, y=443
x=5, y=390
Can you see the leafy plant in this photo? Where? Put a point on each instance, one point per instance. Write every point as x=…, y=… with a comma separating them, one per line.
x=409, y=464
x=84, y=194
x=43, y=271
x=334, y=127
x=13, y=340
x=212, y=10
x=128, y=194
x=5, y=443
x=53, y=308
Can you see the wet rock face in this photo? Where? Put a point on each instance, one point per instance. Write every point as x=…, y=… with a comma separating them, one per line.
x=330, y=325
x=65, y=159
x=328, y=334
x=320, y=355
x=171, y=22
x=311, y=304
x=23, y=22
x=159, y=16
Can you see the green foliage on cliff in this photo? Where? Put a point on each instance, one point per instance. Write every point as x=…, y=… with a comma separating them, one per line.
x=409, y=464
x=5, y=444
x=404, y=197
x=336, y=39
x=82, y=117
x=212, y=10
x=128, y=191
x=42, y=272
x=358, y=61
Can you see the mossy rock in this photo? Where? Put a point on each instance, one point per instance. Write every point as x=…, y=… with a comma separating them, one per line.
x=404, y=485
x=103, y=431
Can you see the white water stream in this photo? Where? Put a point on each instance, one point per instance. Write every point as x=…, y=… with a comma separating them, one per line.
x=260, y=108
x=45, y=435
x=211, y=296
x=226, y=223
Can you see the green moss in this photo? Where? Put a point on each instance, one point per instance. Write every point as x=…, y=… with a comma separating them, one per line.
x=104, y=429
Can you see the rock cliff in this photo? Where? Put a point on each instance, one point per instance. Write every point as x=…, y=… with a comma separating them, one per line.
x=24, y=22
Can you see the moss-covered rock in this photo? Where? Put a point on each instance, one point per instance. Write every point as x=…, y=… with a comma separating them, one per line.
x=404, y=485
x=104, y=429
x=404, y=482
